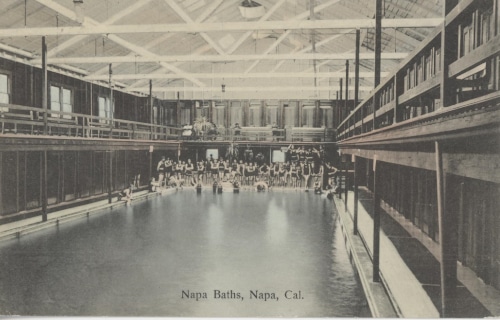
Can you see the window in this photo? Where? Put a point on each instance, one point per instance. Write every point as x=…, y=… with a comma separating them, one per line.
x=4, y=91
x=326, y=116
x=272, y=115
x=185, y=116
x=289, y=114
x=254, y=115
x=308, y=116
x=218, y=116
x=105, y=111
x=60, y=100
x=236, y=114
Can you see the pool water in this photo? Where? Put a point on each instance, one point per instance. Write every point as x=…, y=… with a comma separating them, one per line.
x=186, y=254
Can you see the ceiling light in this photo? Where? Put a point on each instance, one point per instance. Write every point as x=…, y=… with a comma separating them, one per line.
x=250, y=9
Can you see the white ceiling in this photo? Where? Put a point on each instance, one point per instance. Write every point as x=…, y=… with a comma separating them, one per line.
x=192, y=47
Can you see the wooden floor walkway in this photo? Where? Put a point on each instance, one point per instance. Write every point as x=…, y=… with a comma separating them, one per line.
x=408, y=270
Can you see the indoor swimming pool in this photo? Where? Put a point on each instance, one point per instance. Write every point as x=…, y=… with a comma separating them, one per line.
x=187, y=254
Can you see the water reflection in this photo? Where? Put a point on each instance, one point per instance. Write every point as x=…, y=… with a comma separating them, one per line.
x=277, y=223
x=138, y=260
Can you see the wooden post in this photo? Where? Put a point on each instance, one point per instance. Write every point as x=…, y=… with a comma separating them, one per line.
x=449, y=52
x=150, y=163
x=376, y=220
x=347, y=88
x=378, y=55
x=346, y=106
x=110, y=176
x=111, y=104
x=356, y=75
x=341, y=118
x=44, y=86
x=151, y=116
x=346, y=181
x=447, y=238
x=44, y=186
x=337, y=109
x=1, y=179
x=356, y=194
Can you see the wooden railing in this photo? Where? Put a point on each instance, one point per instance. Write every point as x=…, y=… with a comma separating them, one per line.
x=17, y=119
x=413, y=90
x=28, y=120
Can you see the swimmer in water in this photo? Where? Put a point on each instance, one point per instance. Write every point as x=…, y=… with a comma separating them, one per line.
x=261, y=186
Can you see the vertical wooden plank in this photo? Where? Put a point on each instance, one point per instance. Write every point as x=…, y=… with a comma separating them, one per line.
x=111, y=102
x=356, y=77
x=44, y=186
x=341, y=117
x=448, y=53
x=1, y=186
x=378, y=55
x=17, y=181
x=346, y=180
x=447, y=241
x=337, y=111
x=347, y=89
x=376, y=219
x=356, y=194
x=62, y=174
x=151, y=116
x=44, y=86
x=110, y=174
x=25, y=164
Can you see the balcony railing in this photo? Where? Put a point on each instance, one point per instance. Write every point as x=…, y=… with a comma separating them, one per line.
x=17, y=119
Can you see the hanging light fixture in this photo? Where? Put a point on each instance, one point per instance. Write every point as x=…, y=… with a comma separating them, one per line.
x=79, y=10
x=251, y=10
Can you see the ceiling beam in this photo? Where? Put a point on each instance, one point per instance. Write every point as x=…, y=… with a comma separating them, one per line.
x=204, y=15
x=318, y=44
x=231, y=75
x=266, y=16
x=184, y=16
x=77, y=39
x=244, y=89
x=269, y=49
x=218, y=26
x=222, y=58
x=126, y=44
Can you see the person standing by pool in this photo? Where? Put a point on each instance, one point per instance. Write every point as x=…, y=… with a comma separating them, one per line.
x=214, y=166
x=160, y=168
x=306, y=173
x=189, y=172
x=264, y=172
x=200, y=169
x=222, y=168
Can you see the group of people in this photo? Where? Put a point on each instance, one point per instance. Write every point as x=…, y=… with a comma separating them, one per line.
x=304, y=169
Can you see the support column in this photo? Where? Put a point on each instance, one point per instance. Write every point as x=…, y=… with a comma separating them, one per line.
x=378, y=55
x=447, y=238
x=376, y=219
x=110, y=175
x=356, y=194
x=340, y=105
x=449, y=52
x=346, y=181
x=356, y=74
x=347, y=88
x=150, y=163
x=44, y=86
x=151, y=117
x=337, y=108
x=44, y=186
x=111, y=102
